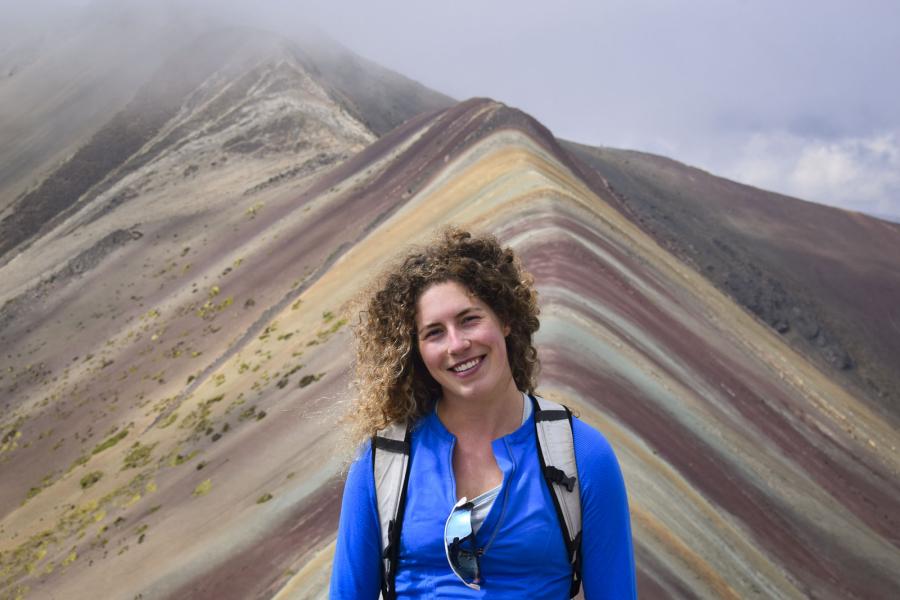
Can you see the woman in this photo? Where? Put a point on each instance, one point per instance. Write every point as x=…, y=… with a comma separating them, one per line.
x=444, y=347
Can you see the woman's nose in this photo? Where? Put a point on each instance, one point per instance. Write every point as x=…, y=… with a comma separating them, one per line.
x=457, y=342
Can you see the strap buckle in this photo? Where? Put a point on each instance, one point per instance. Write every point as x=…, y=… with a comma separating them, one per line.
x=559, y=477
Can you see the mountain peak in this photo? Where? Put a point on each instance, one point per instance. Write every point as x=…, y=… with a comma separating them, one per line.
x=181, y=270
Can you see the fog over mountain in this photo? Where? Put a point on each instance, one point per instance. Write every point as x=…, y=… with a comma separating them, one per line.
x=797, y=97
x=188, y=209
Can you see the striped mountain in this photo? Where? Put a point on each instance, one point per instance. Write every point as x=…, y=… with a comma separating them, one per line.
x=175, y=334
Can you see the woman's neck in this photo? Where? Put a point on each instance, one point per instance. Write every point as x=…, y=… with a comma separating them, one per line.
x=482, y=419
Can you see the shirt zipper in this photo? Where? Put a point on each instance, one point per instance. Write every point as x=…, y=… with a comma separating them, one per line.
x=504, y=491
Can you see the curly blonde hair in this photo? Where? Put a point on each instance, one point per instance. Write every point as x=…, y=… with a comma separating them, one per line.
x=392, y=382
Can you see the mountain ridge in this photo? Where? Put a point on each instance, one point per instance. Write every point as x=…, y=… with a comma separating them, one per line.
x=171, y=388
x=143, y=116
x=758, y=271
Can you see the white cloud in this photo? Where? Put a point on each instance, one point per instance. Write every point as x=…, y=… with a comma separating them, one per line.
x=857, y=173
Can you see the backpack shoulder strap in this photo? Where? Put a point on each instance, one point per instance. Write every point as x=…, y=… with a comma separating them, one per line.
x=391, y=460
x=556, y=449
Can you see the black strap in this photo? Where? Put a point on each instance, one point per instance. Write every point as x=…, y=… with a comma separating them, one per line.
x=551, y=415
x=392, y=552
x=555, y=475
x=576, y=568
x=385, y=593
x=383, y=443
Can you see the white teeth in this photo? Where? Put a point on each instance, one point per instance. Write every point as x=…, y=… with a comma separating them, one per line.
x=466, y=365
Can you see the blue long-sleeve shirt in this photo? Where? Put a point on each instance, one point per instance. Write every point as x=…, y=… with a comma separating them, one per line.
x=524, y=552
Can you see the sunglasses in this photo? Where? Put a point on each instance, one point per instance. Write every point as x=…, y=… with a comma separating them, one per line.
x=458, y=530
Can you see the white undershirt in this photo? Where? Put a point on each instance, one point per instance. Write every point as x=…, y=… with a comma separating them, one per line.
x=483, y=502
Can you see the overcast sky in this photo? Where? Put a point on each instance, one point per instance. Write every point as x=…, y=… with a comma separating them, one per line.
x=797, y=96
x=801, y=97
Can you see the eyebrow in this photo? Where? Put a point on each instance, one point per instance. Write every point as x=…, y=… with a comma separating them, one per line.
x=461, y=313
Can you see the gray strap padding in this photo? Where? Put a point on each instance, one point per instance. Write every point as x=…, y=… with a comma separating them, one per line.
x=558, y=449
x=389, y=467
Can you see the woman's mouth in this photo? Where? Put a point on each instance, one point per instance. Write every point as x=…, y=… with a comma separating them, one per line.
x=467, y=367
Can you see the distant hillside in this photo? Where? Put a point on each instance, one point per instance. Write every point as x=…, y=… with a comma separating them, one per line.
x=102, y=154
x=826, y=279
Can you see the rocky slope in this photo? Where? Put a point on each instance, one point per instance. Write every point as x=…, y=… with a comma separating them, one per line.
x=826, y=279
x=175, y=347
x=169, y=216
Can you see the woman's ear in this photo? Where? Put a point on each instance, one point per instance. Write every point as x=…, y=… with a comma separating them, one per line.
x=506, y=330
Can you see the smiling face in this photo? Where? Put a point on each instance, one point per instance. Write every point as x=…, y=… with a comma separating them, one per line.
x=462, y=343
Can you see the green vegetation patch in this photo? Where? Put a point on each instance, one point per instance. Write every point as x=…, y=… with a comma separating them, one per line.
x=209, y=310
x=327, y=333
x=269, y=330
x=250, y=413
x=203, y=488
x=253, y=210
x=11, y=435
x=23, y=560
x=235, y=403
x=198, y=419
x=308, y=379
x=179, y=459
x=90, y=479
x=46, y=482
x=78, y=462
x=138, y=455
x=264, y=498
x=295, y=369
x=169, y=420
x=110, y=442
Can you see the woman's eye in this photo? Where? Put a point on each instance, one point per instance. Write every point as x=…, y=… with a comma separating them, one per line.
x=470, y=319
